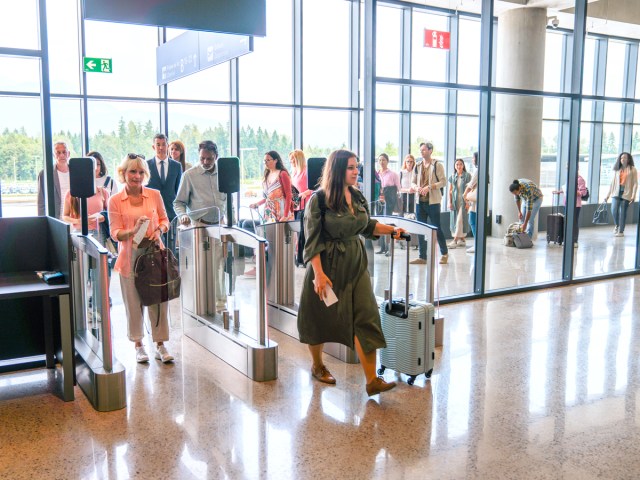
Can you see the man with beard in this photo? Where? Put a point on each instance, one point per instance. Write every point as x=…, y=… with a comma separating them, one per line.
x=196, y=202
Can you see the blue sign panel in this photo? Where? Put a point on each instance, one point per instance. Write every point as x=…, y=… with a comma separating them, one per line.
x=218, y=48
x=177, y=58
x=194, y=51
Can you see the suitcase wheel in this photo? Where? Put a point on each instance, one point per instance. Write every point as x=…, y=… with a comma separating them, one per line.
x=412, y=378
x=381, y=370
x=428, y=374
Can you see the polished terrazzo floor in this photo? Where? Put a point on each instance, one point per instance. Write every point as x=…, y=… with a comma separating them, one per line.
x=542, y=385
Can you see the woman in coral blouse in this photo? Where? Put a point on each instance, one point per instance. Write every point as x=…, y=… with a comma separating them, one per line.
x=129, y=209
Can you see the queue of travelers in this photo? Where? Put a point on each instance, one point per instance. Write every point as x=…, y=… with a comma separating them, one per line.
x=335, y=217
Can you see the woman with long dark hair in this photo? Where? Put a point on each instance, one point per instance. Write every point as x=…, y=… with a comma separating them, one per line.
x=178, y=152
x=458, y=223
x=622, y=191
x=103, y=179
x=335, y=218
x=276, y=186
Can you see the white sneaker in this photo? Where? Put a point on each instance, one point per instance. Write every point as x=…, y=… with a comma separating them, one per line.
x=575, y=244
x=163, y=355
x=471, y=250
x=619, y=234
x=141, y=355
x=615, y=229
x=452, y=244
x=462, y=243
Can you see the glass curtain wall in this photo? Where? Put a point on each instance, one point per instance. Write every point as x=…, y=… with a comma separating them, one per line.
x=530, y=130
x=297, y=90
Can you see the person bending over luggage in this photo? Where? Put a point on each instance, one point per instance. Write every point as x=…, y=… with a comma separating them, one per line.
x=335, y=218
x=128, y=210
x=528, y=191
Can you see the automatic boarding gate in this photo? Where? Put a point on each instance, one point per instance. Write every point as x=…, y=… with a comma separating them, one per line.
x=210, y=265
x=285, y=280
x=98, y=373
x=284, y=284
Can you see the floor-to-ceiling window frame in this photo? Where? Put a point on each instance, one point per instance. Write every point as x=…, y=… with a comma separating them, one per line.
x=253, y=104
x=565, y=117
x=296, y=119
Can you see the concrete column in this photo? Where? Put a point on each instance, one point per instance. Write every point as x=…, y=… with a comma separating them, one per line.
x=518, y=119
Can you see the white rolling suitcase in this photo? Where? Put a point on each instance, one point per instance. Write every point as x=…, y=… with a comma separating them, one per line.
x=409, y=329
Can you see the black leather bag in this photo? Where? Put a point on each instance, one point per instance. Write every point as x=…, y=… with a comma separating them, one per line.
x=157, y=276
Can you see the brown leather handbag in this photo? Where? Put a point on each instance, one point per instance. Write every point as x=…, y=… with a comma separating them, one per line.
x=157, y=276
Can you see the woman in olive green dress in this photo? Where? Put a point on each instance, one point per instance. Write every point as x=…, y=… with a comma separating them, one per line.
x=335, y=217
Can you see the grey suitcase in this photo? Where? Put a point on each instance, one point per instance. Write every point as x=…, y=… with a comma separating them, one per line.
x=409, y=329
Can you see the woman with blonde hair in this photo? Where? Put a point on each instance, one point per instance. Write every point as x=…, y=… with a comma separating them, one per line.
x=408, y=195
x=131, y=208
x=299, y=178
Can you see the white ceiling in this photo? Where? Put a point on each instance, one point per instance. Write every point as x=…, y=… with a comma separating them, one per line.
x=620, y=18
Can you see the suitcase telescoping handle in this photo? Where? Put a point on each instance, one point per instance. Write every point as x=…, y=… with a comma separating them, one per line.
x=555, y=195
x=407, y=237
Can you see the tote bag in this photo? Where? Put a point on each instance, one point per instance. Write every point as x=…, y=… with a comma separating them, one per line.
x=157, y=276
x=601, y=215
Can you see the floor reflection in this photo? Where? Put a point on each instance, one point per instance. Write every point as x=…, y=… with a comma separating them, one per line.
x=537, y=385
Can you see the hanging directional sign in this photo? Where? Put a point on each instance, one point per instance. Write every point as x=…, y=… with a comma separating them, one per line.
x=100, y=65
x=194, y=51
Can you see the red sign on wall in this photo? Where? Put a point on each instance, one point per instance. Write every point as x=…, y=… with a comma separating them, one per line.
x=436, y=39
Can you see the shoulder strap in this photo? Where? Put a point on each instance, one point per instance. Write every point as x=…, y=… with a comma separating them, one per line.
x=322, y=203
x=106, y=182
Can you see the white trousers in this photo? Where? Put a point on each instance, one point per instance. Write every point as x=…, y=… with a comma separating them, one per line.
x=158, y=314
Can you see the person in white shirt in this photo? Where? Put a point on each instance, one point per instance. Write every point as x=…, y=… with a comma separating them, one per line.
x=60, y=179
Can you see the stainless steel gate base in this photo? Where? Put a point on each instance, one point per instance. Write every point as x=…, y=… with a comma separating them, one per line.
x=258, y=362
x=107, y=391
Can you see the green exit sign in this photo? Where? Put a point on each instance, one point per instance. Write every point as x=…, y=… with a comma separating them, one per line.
x=102, y=65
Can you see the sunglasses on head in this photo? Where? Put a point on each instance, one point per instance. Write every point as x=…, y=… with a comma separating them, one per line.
x=133, y=156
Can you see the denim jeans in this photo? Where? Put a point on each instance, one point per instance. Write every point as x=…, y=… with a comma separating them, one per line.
x=473, y=216
x=430, y=214
x=619, y=211
x=534, y=212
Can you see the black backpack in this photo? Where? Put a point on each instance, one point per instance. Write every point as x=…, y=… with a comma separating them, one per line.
x=299, y=260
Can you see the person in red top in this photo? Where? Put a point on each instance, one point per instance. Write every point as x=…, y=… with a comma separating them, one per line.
x=276, y=189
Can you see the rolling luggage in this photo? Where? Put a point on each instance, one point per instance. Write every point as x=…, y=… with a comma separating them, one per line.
x=555, y=223
x=409, y=329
